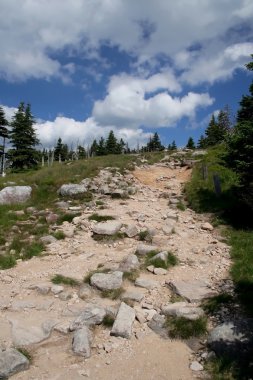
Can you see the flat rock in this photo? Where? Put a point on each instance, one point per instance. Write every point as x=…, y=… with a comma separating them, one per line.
x=107, y=281
x=81, y=342
x=144, y=249
x=110, y=227
x=57, y=289
x=91, y=315
x=23, y=336
x=207, y=227
x=24, y=304
x=192, y=291
x=183, y=309
x=11, y=362
x=145, y=283
x=160, y=271
x=131, y=230
x=72, y=189
x=227, y=338
x=157, y=325
x=196, y=366
x=123, y=323
x=129, y=264
x=48, y=239
x=85, y=291
x=133, y=296
x=15, y=194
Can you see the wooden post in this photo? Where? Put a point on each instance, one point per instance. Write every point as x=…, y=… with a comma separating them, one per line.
x=217, y=184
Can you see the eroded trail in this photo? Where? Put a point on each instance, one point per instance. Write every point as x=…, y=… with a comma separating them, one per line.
x=32, y=309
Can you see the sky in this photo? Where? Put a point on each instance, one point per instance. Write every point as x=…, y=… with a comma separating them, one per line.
x=131, y=66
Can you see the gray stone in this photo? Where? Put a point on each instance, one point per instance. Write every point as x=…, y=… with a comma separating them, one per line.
x=24, y=304
x=145, y=283
x=196, y=366
x=183, y=309
x=23, y=336
x=57, y=289
x=15, y=194
x=91, y=315
x=131, y=230
x=49, y=239
x=133, y=296
x=81, y=342
x=119, y=193
x=160, y=271
x=107, y=281
x=172, y=215
x=207, y=227
x=143, y=249
x=85, y=291
x=110, y=227
x=123, y=323
x=72, y=189
x=226, y=338
x=64, y=296
x=11, y=362
x=163, y=256
x=192, y=291
x=129, y=264
x=41, y=288
x=157, y=325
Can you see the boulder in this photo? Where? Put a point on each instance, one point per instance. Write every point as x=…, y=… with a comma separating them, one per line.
x=145, y=283
x=192, y=291
x=227, y=338
x=207, y=227
x=162, y=256
x=48, y=239
x=143, y=249
x=107, y=281
x=131, y=230
x=11, y=362
x=183, y=309
x=85, y=291
x=123, y=323
x=110, y=227
x=23, y=336
x=129, y=264
x=91, y=315
x=15, y=194
x=81, y=342
x=157, y=324
x=71, y=189
x=132, y=296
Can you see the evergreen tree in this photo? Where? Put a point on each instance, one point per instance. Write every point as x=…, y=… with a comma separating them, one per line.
x=101, y=149
x=3, y=135
x=245, y=113
x=81, y=153
x=202, y=143
x=94, y=148
x=23, y=139
x=154, y=143
x=61, y=151
x=111, y=144
x=173, y=145
x=212, y=132
x=190, y=144
x=224, y=122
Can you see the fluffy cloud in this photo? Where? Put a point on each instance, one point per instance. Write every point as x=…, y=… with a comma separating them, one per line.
x=131, y=102
x=33, y=33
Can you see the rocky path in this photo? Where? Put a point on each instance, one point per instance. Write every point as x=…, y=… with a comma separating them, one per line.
x=39, y=315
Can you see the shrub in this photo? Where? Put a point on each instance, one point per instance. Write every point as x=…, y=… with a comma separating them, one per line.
x=60, y=279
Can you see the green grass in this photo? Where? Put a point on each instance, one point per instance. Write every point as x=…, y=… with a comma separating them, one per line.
x=180, y=327
x=60, y=279
x=171, y=261
x=131, y=276
x=108, y=321
x=59, y=235
x=215, y=303
x=68, y=217
x=224, y=368
x=99, y=203
x=113, y=294
x=26, y=353
x=181, y=206
x=7, y=261
x=108, y=238
x=145, y=236
x=34, y=249
x=101, y=218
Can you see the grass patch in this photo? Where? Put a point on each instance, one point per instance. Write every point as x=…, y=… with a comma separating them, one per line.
x=113, y=294
x=68, y=217
x=223, y=368
x=180, y=327
x=26, y=353
x=181, y=206
x=131, y=276
x=171, y=261
x=34, y=249
x=60, y=279
x=7, y=261
x=101, y=218
x=215, y=303
x=108, y=321
x=145, y=236
x=99, y=203
x=59, y=235
x=176, y=298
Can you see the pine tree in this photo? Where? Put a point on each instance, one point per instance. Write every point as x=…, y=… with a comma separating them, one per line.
x=202, y=143
x=111, y=144
x=23, y=154
x=173, y=145
x=224, y=122
x=154, y=143
x=190, y=144
x=245, y=113
x=81, y=153
x=3, y=135
x=101, y=149
x=94, y=148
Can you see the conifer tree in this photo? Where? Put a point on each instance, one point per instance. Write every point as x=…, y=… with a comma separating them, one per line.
x=23, y=154
x=3, y=135
x=190, y=144
x=61, y=151
x=101, y=149
x=202, y=143
x=94, y=148
x=111, y=144
x=81, y=153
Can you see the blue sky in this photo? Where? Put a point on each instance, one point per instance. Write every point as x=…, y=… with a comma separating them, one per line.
x=89, y=66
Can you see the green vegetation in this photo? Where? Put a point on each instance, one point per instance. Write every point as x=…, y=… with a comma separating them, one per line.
x=59, y=235
x=225, y=368
x=171, y=261
x=101, y=218
x=108, y=321
x=26, y=353
x=180, y=327
x=108, y=238
x=7, y=261
x=145, y=236
x=131, y=276
x=181, y=206
x=215, y=303
x=112, y=294
x=60, y=279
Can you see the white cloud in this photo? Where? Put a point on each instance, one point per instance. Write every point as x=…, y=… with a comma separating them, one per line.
x=129, y=103
x=34, y=32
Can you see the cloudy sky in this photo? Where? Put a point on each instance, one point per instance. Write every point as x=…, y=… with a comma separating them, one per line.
x=134, y=66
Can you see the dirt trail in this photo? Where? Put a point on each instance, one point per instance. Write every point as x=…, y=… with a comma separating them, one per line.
x=145, y=355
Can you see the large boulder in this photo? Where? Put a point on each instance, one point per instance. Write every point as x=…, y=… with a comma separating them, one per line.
x=123, y=323
x=183, y=309
x=91, y=315
x=107, y=281
x=110, y=227
x=11, y=362
x=71, y=190
x=15, y=194
x=192, y=291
